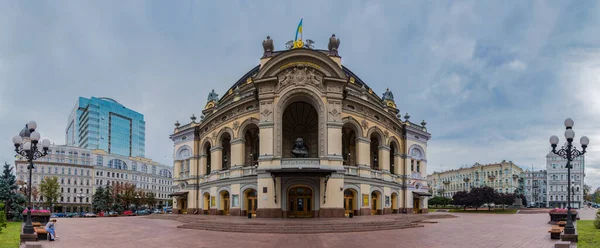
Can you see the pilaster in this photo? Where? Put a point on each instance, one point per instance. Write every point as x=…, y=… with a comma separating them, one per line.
x=362, y=147
x=384, y=158
x=216, y=162
x=237, y=152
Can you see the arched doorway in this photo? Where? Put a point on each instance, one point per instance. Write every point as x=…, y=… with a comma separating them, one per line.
x=252, y=145
x=300, y=199
x=224, y=202
x=375, y=203
x=226, y=155
x=300, y=120
x=374, y=150
x=349, y=201
x=394, y=203
x=206, y=205
x=250, y=201
x=349, y=144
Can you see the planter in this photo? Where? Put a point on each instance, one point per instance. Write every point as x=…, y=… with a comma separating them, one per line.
x=556, y=217
x=42, y=218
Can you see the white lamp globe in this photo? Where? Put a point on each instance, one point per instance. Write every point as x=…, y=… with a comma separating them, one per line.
x=584, y=141
x=569, y=123
x=27, y=146
x=35, y=136
x=554, y=140
x=45, y=143
x=17, y=140
x=32, y=125
x=570, y=134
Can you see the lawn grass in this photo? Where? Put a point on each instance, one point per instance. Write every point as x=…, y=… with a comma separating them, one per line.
x=589, y=236
x=432, y=210
x=11, y=236
x=485, y=211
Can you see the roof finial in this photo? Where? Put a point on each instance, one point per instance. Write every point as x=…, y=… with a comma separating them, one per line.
x=177, y=124
x=193, y=117
x=406, y=116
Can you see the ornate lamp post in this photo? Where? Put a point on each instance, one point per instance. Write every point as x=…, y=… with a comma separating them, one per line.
x=569, y=153
x=26, y=145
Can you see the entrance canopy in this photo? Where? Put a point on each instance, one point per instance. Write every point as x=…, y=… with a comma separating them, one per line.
x=416, y=193
x=181, y=193
x=293, y=172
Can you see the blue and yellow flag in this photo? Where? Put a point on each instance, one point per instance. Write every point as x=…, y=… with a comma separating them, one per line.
x=298, y=42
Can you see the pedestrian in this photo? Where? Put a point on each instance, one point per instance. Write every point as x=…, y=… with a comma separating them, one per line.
x=51, y=229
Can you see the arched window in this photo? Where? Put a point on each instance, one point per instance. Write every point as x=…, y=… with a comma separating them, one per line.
x=144, y=168
x=117, y=164
x=133, y=166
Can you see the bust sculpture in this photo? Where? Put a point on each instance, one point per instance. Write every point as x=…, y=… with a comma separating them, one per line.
x=300, y=150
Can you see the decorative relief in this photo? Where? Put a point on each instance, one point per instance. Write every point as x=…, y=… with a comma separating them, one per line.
x=335, y=112
x=300, y=76
x=236, y=125
x=364, y=124
x=214, y=136
x=334, y=88
x=266, y=111
x=266, y=88
x=386, y=134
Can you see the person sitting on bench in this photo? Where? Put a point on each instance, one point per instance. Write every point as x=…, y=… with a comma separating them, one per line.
x=50, y=229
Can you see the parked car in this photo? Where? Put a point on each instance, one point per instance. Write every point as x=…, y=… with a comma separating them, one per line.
x=156, y=211
x=89, y=215
x=129, y=213
x=113, y=214
x=169, y=210
x=142, y=212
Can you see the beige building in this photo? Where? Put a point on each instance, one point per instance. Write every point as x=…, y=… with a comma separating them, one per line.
x=81, y=171
x=503, y=177
x=300, y=135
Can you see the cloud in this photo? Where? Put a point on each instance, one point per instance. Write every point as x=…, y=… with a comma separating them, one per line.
x=492, y=85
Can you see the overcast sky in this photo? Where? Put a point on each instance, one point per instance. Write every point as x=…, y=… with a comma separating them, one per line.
x=493, y=80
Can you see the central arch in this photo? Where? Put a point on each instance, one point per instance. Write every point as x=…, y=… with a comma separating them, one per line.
x=300, y=199
x=300, y=120
x=309, y=96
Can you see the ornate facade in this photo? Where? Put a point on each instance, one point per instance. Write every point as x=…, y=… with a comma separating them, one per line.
x=300, y=135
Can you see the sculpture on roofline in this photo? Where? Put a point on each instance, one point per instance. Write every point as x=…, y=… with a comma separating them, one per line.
x=334, y=44
x=268, y=47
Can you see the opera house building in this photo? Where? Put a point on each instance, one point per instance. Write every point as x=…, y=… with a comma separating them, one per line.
x=300, y=135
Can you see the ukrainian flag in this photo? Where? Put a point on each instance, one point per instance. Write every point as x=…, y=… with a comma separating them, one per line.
x=299, y=30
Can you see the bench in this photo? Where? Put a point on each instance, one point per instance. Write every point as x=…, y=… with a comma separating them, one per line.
x=41, y=232
x=562, y=223
x=36, y=224
x=555, y=232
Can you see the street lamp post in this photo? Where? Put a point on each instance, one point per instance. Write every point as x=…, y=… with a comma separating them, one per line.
x=80, y=196
x=26, y=145
x=569, y=153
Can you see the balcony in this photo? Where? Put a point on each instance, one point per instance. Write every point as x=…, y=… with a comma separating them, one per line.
x=492, y=177
x=446, y=181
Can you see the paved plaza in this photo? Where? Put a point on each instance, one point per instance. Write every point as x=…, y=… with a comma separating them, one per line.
x=468, y=230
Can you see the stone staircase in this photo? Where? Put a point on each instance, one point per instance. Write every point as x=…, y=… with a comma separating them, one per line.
x=309, y=226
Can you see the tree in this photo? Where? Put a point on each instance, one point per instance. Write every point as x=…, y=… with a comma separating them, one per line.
x=597, y=220
x=34, y=194
x=8, y=191
x=99, y=200
x=129, y=194
x=586, y=189
x=461, y=198
x=150, y=199
x=523, y=199
x=50, y=190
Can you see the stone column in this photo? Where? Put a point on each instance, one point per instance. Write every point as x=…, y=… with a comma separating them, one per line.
x=176, y=168
x=362, y=150
x=237, y=152
x=194, y=166
x=216, y=161
x=384, y=158
x=203, y=163
x=397, y=164
x=334, y=138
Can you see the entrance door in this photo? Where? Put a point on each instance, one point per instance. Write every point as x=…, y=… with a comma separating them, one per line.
x=251, y=202
x=374, y=198
x=416, y=205
x=225, y=196
x=349, y=201
x=300, y=202
x=183, y=203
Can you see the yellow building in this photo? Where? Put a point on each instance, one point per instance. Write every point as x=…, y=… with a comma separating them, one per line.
x=503, y=177
x=300, y=135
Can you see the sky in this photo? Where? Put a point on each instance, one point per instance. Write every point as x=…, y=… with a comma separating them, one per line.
x=493, y=79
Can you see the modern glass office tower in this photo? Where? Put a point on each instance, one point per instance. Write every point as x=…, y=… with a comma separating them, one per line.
x=103, y=123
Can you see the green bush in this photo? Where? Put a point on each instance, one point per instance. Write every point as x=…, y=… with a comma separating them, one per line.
x=2, y=217
x=597, y=221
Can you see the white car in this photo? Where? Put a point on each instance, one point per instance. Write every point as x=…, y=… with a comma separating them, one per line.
x=90, y=215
